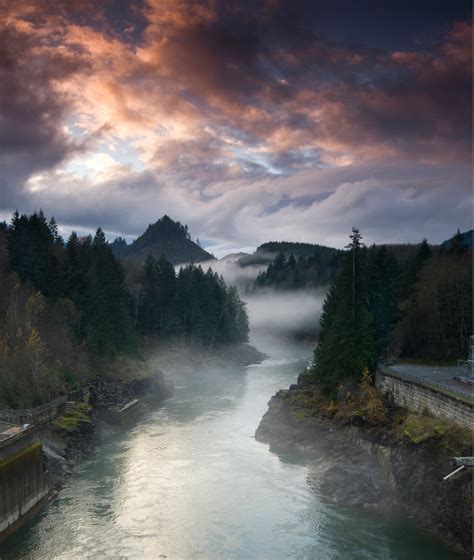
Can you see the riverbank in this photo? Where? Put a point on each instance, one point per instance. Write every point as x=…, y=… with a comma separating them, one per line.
x=120, y=397
x=168, y=357
x=366, y=452
x=118, y=393
x=77, y=432
x=189, y=480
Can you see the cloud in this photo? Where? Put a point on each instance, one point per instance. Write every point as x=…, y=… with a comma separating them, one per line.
x=390, y=203
x=249, y=121
x=31, y=133
x=285, y=313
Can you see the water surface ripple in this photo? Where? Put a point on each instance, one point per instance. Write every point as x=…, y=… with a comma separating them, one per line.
x=189, y=481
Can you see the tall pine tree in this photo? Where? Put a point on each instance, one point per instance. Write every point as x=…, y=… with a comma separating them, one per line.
x=346, y=346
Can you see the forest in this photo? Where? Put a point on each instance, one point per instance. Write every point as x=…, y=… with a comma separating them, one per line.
x=305, y=272
x=413, y=302
x=68, y=310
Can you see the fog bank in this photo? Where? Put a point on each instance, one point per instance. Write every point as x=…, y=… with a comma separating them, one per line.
x=286, y=313
x=277, y=312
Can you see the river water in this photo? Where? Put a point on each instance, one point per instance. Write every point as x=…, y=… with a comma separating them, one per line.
x=189, y=481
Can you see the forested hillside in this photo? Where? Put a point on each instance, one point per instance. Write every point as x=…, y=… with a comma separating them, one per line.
x=66, y=312
x=267, y=252
x=192, y=306
x=318, y=269
x=297, y=249
x=411, y=304
x=466, y=239
x=165, y=237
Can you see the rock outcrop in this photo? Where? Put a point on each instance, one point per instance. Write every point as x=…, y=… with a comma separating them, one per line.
x=354, y=463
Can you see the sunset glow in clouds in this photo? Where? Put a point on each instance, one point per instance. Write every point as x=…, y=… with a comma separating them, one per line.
x=249, y=121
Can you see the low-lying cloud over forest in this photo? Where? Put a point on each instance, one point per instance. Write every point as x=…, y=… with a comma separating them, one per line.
x=279, y=312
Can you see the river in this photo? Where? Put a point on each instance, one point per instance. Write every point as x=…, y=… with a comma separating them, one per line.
x=189, y=481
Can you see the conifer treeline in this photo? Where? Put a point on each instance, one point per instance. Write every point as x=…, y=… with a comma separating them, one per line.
x=65, y=308
x=316, y=270
x=418, y=308
x=193, y=305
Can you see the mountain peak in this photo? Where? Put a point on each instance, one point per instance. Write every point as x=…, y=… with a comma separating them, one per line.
x=164, y=237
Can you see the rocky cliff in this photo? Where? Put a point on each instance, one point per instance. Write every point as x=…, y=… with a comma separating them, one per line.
x=381, y=467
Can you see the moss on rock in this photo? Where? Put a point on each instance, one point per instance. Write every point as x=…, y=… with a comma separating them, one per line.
x=71, y=420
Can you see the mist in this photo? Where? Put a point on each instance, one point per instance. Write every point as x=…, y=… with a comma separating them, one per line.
x=242, y=277
x=275, y=312
x=286, y=313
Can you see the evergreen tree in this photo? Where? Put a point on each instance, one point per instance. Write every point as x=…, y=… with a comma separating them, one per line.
x=308, y=271
x=279, y=263
x=346, y=346
x=456, y=244
x=166, y=298
x=354, y=246
x=31, y=255
x=237, y=317
x=423, y=254
x=148, y=303
x=106, y=313
x=194, y=307
x=413, y=269
x=384, y=296
x=53, y=228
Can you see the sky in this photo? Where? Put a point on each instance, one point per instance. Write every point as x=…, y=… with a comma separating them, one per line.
x=248, y=120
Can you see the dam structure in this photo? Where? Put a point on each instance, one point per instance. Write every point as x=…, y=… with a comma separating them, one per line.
x=24, y=483
x=24, y=480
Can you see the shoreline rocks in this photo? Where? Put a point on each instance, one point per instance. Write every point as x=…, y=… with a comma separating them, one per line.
x=107, y=391
x=65, y=448
x=371, y=468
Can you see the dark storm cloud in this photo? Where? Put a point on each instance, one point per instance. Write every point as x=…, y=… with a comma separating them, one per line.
x=218, y=112
x=32, y=111
x=413, y=102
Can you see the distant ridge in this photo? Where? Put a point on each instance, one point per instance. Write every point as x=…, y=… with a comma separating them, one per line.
x=467, y=239
x=265, y=253
x=164, y=237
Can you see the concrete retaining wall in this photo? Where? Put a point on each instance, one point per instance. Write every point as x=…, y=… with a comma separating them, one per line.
x=417, y=397
x=23, y=485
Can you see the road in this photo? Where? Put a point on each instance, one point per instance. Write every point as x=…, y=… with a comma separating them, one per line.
x=441, y=375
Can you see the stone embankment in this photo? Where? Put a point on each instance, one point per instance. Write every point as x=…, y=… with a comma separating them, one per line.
x=419, y=394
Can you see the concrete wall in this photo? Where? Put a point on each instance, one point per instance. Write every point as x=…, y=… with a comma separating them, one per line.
x=417, y=397
x=17, y=443
x=23, y=485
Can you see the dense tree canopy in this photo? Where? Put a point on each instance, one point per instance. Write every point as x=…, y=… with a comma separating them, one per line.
x=393, y=300
x=65, y=309
x=300, y=272
x=194, y=306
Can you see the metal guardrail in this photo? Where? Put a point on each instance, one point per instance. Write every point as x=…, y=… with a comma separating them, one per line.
x=426, y=381
x=39, y=414
x=465, y=368
x=35, y=415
